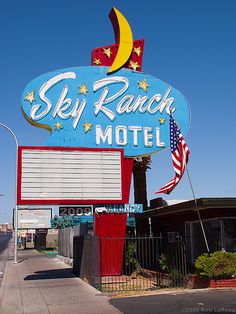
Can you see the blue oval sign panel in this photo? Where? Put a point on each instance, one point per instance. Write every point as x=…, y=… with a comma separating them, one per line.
x=85, y=107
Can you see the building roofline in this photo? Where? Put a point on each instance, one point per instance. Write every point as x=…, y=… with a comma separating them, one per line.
x=202, y=203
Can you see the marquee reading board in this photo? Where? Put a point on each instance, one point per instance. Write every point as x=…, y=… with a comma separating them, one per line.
x=66, y=175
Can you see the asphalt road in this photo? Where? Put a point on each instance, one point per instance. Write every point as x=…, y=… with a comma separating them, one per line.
x=4, y=240
x=201, y=301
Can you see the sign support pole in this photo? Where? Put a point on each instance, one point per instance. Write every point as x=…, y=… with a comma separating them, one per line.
x=16, y=209
x=16, y=236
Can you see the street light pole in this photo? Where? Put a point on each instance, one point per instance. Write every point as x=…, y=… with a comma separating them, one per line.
x=16, y=209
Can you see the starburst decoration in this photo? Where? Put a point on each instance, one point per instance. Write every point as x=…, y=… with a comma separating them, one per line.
x=162, y=121
x=134, y=65
x=137, y=50
x=96, y=61
x=30, y=97
x=87, y=127
x=143, y=85
x=58, y=126
x=83, y=89
x=107, y=52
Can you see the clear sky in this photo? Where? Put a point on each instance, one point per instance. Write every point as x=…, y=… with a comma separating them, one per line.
x=189, y=44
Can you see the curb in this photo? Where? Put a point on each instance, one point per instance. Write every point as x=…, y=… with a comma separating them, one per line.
x=171, y=292
x=2, y=287
x=10, y=255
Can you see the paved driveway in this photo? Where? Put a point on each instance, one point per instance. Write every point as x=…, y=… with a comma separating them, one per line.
x=201, y=301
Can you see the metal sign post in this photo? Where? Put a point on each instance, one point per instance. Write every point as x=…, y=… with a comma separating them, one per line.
x=16, y=211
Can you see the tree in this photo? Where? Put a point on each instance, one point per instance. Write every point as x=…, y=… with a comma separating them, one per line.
x=140, y=168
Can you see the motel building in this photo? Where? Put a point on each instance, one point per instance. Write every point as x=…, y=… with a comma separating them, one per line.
x=178, y=220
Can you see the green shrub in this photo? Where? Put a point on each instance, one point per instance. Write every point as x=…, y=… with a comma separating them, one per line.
x=203, y=265
x=218, y=265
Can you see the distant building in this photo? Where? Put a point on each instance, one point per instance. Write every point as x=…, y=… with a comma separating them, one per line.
x=6, y=227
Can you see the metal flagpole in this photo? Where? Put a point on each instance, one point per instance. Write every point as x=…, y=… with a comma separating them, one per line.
x=199, y=216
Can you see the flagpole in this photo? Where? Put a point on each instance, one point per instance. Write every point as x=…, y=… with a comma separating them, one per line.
x=180, y=158
x=199, y=216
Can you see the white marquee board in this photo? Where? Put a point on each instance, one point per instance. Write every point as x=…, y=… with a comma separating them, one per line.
x=70, y=175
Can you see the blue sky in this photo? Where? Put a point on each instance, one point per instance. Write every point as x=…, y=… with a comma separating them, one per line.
x=189, y=44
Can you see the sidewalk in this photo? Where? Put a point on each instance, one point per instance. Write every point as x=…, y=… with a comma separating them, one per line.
x=39, y=284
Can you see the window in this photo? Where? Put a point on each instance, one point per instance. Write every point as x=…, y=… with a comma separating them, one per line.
x=220, y=234
x=229, y=226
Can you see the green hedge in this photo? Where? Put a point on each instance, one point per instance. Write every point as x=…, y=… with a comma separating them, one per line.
x=217, y=265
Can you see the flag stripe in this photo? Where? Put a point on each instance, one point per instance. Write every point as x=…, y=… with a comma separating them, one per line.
x=180, y=155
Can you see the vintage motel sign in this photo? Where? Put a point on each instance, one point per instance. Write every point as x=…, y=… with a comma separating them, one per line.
x=107, y=106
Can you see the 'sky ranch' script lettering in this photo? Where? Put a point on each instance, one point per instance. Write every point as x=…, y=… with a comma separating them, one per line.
x=128, y=109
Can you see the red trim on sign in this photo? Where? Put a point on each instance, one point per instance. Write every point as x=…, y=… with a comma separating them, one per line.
x=69, y=202
x=70, y=148
x=126, y=172
x=19, y=174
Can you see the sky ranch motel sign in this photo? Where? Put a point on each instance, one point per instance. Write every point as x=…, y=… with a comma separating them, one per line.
x=111, y=104
x=87, y=107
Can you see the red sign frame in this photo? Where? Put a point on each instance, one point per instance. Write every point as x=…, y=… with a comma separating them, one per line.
x=126, y=172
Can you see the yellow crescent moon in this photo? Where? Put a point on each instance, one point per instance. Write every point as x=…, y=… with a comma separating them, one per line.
x=124, y=38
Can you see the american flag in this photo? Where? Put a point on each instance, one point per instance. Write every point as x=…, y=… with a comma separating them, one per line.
x=180, y=154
